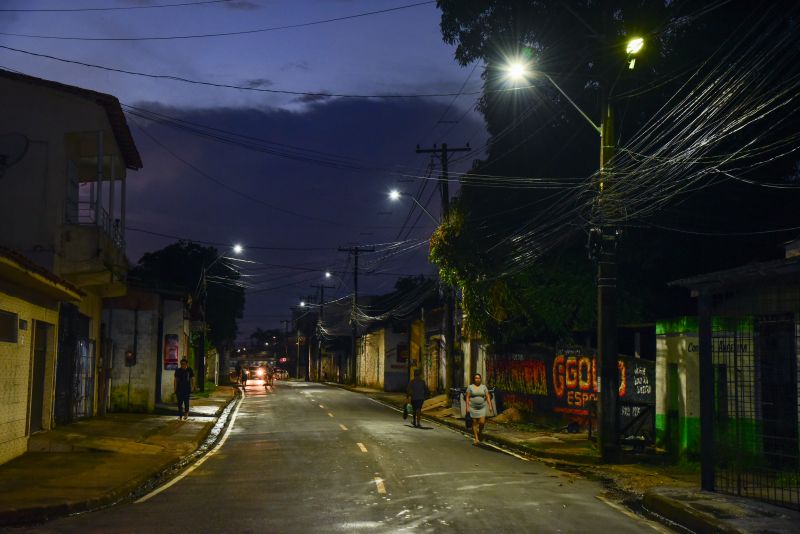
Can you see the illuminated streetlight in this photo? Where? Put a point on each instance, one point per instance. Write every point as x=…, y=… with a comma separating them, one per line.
x=395, y=195
x=516, y=71
x=328, y=274
x=634, y=45
x=237, y=248
x=632, y=48
x=302, y=304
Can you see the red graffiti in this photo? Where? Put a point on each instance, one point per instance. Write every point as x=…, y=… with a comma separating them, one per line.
x=575, y=379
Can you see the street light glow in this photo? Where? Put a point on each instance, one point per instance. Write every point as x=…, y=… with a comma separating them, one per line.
x=302, y=304
x=634, y=46
x=394, y=194
x=516, y=71
x=327, y=274
x=237, y=248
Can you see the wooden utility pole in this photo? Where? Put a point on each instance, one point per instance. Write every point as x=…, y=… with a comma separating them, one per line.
x=352, y=363
x=450, y=295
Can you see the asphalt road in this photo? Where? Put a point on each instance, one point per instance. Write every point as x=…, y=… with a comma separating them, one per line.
x=312, y=458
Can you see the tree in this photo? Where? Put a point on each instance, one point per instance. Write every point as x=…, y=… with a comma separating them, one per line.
x=180, y=266
x=516, y=246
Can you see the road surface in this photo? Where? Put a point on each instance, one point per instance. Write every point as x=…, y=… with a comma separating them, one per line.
x=312, y=458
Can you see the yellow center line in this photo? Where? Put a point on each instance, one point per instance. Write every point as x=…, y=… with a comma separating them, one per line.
x=380, y=486
x=343, y=427
x=330, y=414
x=362, y=447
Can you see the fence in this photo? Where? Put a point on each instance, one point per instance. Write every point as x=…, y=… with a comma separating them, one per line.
x=755, y=361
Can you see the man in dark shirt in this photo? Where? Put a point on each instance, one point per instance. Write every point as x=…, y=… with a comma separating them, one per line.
x=417, y=392
x=184, y=380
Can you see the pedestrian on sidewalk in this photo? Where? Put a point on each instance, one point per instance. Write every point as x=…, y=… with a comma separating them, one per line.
x=416, y=393
x=478, y=400
x=184, y=384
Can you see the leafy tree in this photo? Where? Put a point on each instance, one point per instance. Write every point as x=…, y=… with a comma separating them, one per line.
x=536, y=133
x=179, y=267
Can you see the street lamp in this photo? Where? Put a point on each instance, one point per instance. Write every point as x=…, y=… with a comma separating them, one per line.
x=201, y=363
x=394, y=195
x=633, y=47
x=606, y=266
x=328, y=274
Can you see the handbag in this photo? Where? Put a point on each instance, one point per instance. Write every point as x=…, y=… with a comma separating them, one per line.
x=468, y=421
x=406, y=410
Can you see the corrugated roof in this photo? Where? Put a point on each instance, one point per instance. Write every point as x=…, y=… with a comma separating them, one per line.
x=116, y=117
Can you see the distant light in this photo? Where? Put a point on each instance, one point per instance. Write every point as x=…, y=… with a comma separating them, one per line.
x=394, y=194
x=634, y=46
x=237, y=248
x=516, y=71
x=302, y=304
x=267, y=343
x=327, y=274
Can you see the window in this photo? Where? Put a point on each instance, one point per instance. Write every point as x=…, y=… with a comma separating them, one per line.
x=8, y=327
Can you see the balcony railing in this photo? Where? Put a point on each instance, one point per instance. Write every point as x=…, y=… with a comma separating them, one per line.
x=89, y=214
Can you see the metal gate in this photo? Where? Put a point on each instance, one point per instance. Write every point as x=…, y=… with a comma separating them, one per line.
x=75, y=367
x=755, y=361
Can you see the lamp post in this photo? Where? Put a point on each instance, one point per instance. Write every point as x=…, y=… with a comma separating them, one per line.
x=607, y=356
x=394, y=195
x=201, y=353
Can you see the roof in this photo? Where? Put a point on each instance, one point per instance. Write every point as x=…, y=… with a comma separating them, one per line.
x=741, y=275
x=112, y=107
x=20, y=270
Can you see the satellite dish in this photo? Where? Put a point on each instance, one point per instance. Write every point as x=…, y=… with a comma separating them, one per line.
x=13, y=147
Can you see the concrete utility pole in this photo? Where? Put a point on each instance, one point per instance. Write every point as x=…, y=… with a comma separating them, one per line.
x=355, y=251
x=321, y=316
x=450, y=295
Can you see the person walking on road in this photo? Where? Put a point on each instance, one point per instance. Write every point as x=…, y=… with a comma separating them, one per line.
x=478, y=401
x=183, y=384
x=416, y=393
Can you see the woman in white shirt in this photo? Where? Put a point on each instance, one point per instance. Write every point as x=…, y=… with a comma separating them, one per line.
x=478, y=400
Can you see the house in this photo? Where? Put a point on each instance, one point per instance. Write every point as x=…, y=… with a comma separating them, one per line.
x=63, y=205
x=29, y=302
x=149, y=332
x=744, y=384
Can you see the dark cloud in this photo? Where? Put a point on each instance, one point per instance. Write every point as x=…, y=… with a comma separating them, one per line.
x=310, y=99
x=259, y=82
x=296, y=65
x=168, y=197
x=244, y=5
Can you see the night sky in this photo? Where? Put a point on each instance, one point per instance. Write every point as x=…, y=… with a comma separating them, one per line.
x=346, y=153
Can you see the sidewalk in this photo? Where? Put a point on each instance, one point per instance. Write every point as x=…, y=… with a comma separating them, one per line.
x=99, y=461
x=669, y=491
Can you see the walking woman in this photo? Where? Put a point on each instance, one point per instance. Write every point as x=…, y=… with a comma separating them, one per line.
x=478, y=401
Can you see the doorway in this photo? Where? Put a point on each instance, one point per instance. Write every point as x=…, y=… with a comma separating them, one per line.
x=42, y=333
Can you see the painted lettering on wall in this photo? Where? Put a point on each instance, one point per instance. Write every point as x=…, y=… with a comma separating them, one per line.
x=575, y=379
x=522, y=376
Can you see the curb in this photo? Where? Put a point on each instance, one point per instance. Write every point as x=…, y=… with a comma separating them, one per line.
x=115, y=495
x=685, y=516
x=498, y=440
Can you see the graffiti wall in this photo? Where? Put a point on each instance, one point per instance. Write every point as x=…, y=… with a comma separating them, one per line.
x=562, y=384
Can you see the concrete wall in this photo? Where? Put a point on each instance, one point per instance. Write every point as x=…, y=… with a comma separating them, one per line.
x=395, y=376
x=16, y=370
x=174, y=324
x=370, y=359
x=678, y=386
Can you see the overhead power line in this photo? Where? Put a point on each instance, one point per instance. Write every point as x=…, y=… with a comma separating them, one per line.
x=241, y=87
x=116, y=8
x=221, y=244
x=216, y=34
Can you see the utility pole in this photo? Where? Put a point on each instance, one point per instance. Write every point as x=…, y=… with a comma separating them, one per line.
x=355, y=251
x=450, y=295
x=321, y=316
x=607, y=356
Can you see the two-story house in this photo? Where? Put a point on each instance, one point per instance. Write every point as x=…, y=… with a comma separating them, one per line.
x=62, y=204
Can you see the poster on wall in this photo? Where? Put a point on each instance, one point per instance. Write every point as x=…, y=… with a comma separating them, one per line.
x=171, y=351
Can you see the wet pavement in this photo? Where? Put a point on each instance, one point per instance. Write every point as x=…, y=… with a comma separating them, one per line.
x=313, y=458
